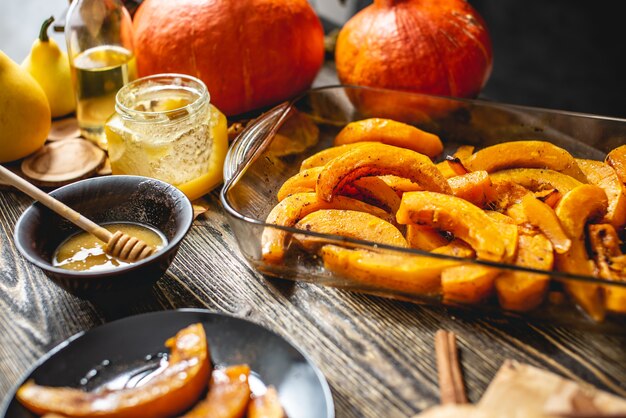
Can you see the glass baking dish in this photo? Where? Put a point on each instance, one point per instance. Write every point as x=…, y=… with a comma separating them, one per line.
x=271, y=149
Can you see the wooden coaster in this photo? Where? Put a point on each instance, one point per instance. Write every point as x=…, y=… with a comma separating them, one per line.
x=63, y=129
x=62, y=162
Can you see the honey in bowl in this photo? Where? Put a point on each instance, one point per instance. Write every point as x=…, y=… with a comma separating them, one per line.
x=84, y=252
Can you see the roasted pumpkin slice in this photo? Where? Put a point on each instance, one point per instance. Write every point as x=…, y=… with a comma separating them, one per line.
x=376, y=191
x=295, y=207
x=491, y=240
x=536, y=179
x=524, y=154
x=520, y=290
x=463, y=152
x=424, y=238
x=390, y=132
x=475, y=187
x=451, y=168
x=323, y=157
x=302, y=182
x=351, y=224
x=228, y=396
x=617, y=159
x=575, y=209
x=170, y=392
x=468, y=283
x=411, y=274
x=499, y=217
x=604, y=176
x=456, y=248
x=605, y=245
x=374, y=159
x=400, y=185
x=266, y=406
x=534, y=211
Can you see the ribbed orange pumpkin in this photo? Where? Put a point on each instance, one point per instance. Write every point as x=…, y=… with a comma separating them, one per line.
x=428, y=46
x=249, y=53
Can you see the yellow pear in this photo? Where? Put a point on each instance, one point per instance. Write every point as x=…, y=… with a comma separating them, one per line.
x=24, y=112
x=51, y=68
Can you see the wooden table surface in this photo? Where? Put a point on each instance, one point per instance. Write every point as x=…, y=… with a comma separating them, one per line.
x=377, y=354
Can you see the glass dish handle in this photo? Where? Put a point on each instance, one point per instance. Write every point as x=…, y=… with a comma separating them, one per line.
x=253, y=137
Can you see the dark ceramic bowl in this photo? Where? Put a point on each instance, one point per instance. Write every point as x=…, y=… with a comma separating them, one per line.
x=39, y=231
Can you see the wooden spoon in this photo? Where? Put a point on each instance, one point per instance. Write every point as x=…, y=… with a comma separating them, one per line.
x=119, y=245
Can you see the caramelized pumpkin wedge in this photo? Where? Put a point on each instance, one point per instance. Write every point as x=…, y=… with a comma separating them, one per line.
x=575, y=209
x=424, y=238
x=302, y=182
x=524, y=154
x=295, y=207
x=168, y=393
x=534, y=211
x=604, y=176
x=390, y=132
x=266, y=406
x=468, y=283
x=451, y=168
x=617, y=159
x=475, y=187
x=374, y=159
x=521, y=290
x=411, y=274
x=463, y=152
x=377, y=191
x=536, y=179
x=228, y=396
x=321, y=158
x=351, y=224
x=491, y=240
x=605, y=245
x=400, y=185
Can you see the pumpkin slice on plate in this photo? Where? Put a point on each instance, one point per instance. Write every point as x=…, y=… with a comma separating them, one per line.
x=168, y=393
x=295, y=207
x=525, y=154
x=390, y=132
x=374, y=159
x=266, y=406
x=575, y=209
x=228, y=396
x=491, y=240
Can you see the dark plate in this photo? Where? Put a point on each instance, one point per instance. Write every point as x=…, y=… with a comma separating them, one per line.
x=122, y=352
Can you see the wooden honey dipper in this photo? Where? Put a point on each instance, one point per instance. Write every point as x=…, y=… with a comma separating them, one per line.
x=118, y=244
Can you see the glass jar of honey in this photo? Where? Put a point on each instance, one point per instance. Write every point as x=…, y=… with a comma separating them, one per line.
x=166, y=128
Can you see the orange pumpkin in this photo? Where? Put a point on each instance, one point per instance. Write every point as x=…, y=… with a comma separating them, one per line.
x=249, y=53
x=437, y=47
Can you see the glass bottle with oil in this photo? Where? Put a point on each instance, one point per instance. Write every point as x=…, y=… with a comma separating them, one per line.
x=100, y=48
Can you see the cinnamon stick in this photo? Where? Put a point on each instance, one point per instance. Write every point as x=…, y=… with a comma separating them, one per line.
x=451, y=388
